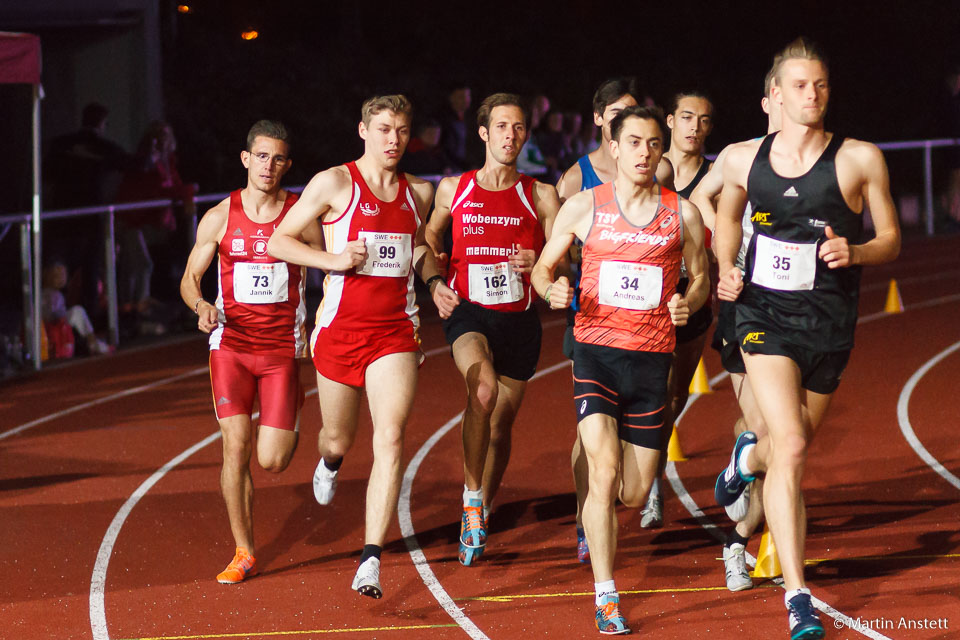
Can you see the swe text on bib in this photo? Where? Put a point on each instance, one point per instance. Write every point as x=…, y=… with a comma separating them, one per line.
x=389, y=255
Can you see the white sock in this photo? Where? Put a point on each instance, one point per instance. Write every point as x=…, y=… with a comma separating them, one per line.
x=788, y=596
x=471, y=495
x=601, y=588
x=742, y=461
x=654, y=488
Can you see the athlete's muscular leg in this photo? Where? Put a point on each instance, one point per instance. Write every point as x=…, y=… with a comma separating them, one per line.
x=473, y=358
x=509, y=397
x=776, y=385
x=391, y=383
x=753, y=421
x=639, y=469
x=339, y=409
x=235, y=481
x=275, y=447
x=601, y=445
x=581, y=475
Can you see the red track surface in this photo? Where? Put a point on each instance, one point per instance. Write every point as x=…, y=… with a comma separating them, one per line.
x=883, y=534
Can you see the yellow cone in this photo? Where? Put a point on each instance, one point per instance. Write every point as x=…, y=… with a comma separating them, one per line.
x=768, y=564
x=894, y=302
x=674, y=452
x=699, y=383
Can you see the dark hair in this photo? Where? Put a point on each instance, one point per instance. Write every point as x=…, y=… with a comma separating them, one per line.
x=268, y=129
x=644, y=112
x=612, y=90
x=93, y=115
x=692, y=93
x=499, y=100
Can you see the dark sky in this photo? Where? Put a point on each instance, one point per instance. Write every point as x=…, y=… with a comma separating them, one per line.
x=315, y=61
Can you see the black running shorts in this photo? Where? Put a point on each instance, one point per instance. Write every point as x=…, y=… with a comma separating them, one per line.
x=514, y=336
x=725, y=338
x=820, y=371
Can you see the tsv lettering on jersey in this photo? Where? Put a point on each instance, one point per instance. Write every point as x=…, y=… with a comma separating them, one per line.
x=504, y=221
x=607, y=219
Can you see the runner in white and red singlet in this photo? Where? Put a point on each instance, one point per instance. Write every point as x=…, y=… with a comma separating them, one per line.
x=256, y=329
x=634, y=234
x=366, y=333
x=500, y=218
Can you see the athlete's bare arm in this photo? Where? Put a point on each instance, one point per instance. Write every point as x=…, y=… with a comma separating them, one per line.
x=695, y=259
x=424, y=262
x=573, y=221
x=729, y=233
x=209, y=233
x=705, y=194
x=861, y=165
x=665, y=173
x=440, y=219
x=328, y=193
x=545, y=203
x=570, y=182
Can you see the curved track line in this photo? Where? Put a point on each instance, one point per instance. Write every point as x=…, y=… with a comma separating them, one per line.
x=409, y=533
x=904, y=418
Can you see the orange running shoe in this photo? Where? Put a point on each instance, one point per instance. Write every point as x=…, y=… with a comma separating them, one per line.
x=240, y=568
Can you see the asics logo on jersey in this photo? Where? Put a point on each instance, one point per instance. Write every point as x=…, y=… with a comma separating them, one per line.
x=368, y=210
x=761, y=218
x=791, y=192
x=666, y=222
x=476, y=205
x=754, y=337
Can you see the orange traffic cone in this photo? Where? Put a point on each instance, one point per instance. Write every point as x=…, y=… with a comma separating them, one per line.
x=894, y=301
x=699, y=383
x=674, y=452
x=768, y=564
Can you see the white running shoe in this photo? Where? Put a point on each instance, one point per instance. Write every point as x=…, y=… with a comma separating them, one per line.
x=735, y=563
x=324, y=483
x=653, y=512
x=737, y=511
x=367, y=580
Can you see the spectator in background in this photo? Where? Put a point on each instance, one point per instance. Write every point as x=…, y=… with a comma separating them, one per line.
x=425, y=156
x=589, y=138
x=454, y=129
x=69, y=330
x=572, y=128
x=552, y=145
x=531, y=160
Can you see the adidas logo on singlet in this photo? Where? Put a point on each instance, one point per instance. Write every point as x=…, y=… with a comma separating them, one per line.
x=404, y=207
x=791, y=192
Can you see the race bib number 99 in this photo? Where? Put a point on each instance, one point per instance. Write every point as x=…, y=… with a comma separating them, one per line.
x=629, y=285
x=389, y=255
x=494, y=284
x=785, y=266
x=260, y=283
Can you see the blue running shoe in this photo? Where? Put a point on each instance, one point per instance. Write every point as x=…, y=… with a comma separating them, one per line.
x=473, y=532
x=609, y=620
x=583, y=551
x=730, y=483
x=804, y=621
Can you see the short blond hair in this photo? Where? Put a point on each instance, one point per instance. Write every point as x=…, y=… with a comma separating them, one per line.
x=397, y=103
x=768, y=82
x=799, y=49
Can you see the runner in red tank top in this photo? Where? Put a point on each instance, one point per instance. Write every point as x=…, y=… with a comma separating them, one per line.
x=366, y=334
x=634, y=234
x=500, y=219
x=256, y=328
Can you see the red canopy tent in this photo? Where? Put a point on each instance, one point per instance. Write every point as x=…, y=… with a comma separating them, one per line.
x=20, y=64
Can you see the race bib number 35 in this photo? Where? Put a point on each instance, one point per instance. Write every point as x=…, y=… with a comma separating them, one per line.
x=494, y=284
x=785, y=266
x=259, y=283
x=389, y=255
x=629, y=285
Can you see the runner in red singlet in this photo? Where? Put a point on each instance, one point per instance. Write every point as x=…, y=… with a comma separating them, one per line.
x=256, y=328
x=634, y=233
x=500, y=218
x=366, y=333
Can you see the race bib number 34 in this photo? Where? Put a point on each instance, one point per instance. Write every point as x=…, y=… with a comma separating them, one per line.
x=389, y=255
x=629, y=285
x=494, y=284
x=785, y=266
x=260, y=283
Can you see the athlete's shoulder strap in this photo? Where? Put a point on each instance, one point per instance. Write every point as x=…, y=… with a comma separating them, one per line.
x=605, y=199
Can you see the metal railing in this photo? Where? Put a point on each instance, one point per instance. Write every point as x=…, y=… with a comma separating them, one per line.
x=30, y=262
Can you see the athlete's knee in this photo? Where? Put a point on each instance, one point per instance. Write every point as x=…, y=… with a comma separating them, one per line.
x=482, y=396
x=604, y=482
x=790, y=451
x=274, y=461
x=335, y=444
x=388, y=442
x=237, y=448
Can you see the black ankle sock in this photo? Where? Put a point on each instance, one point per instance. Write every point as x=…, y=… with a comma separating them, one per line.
x=332, y=466
x=735, y=538
x=370, y=551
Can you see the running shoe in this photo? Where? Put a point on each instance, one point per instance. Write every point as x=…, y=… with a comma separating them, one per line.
x=473, y=532
x=240, y=568
x=730, y=484
x=737, y=511
x=609, y=620
x=735, y=563
x=583, y=551
x=803, y=618
x=653, y=512
x=324, y=483
x=367, y=580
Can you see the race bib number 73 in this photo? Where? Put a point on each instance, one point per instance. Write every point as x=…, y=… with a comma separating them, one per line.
x=260, y=283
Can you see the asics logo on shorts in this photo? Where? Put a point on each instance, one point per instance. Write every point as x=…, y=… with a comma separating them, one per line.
x=583, y=407
x=754, y=337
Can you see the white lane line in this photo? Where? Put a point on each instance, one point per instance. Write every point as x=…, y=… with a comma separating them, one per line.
x=93, y=403
x=904, y=418
x=410, y=535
